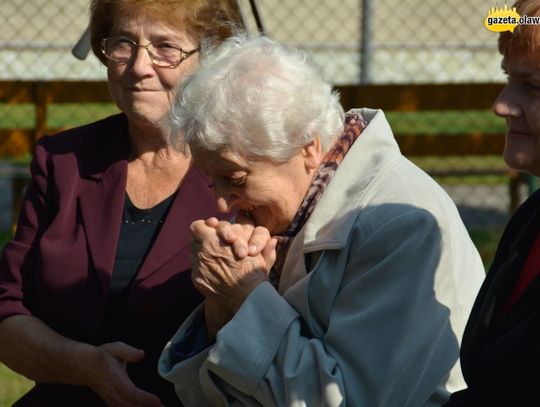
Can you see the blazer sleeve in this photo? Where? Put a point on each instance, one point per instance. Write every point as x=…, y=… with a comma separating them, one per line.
x=379, y=348
x=18, y=260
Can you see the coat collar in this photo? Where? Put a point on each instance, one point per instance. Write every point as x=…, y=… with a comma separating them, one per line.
x=332, y=219
x=103, y=147
x=331, y=222
x=103, y=169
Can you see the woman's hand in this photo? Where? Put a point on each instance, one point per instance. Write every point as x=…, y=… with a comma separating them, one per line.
x=245, y=238
x=216, y=316
x=220, y=275
x=108, y=377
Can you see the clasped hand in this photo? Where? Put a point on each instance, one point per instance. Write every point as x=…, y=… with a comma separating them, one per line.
x=228, y=262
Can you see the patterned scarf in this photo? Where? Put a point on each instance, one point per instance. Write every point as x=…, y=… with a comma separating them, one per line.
x=354, y=124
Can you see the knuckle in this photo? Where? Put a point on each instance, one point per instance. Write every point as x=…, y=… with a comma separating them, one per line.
x=260, y=230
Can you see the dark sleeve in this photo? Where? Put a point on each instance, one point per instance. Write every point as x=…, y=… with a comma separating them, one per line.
x=195, y=341
x=17, y=262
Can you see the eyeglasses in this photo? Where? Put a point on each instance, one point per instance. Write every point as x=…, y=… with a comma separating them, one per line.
x=122, y=50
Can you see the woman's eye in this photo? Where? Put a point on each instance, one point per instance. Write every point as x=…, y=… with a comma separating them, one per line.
x=166, y=45
x=122, y=42
x=237, y=181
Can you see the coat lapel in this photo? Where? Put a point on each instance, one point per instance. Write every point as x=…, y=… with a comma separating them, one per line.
x=194, y=200
x=101, y=197
x=485, y=321
x=101, y=209
x=508, y=277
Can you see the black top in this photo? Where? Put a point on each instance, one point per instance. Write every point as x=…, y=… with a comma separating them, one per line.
x=138, y=233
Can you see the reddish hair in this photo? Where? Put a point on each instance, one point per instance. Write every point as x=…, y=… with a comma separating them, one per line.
x=525, y=40
x=201, y=19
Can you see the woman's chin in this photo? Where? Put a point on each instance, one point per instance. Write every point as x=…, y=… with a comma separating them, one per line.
x=521, y=161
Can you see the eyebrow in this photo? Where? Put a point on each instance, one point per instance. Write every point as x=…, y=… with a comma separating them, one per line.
x=160, y=36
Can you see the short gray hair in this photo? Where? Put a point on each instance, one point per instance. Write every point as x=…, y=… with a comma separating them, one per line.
x=255, y=97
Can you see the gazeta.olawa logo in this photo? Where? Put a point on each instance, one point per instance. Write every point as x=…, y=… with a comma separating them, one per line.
x=507, y=19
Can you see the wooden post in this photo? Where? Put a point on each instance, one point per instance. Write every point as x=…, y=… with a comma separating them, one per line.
x=41, y=101
x=513, y=190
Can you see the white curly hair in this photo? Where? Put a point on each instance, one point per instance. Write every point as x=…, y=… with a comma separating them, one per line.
x=255, y=97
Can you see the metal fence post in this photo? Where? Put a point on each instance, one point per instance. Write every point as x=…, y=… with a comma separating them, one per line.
x=366, y=43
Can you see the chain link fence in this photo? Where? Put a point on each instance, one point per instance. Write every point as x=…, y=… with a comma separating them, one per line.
x=352, y=41
x=395, y=41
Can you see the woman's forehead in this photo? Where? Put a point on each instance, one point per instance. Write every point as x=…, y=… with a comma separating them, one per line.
x=526, y=65
x=219, y=160
x=144, y=22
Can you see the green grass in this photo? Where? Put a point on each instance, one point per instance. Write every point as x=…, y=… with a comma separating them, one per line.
x=5, y=235
x=425, y=122
x=72, y=115
x=58, y=115
x=447, y=122
x=12, y=386
x=486, y=241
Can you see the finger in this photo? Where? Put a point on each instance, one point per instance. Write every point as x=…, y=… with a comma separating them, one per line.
x=235, y=235
x=269, y=253
x=212, y=222
x=125, y=352
x=200, y=231
x=229, y=232
x=258, y=240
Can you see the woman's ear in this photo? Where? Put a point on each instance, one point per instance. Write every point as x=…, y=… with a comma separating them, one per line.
x=313, y=154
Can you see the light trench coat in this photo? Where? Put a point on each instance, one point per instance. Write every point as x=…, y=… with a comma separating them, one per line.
x=372, y=303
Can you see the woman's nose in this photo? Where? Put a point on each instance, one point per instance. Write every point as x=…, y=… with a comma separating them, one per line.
x=223, y=204
x=225, y=200
x=507, y=103
x=142, y=63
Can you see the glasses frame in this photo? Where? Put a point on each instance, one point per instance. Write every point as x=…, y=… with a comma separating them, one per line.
x=183, y=54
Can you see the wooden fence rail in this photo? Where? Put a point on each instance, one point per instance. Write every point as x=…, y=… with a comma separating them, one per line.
x=402, y=98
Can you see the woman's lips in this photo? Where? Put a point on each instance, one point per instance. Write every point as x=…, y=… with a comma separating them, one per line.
x=518, y=133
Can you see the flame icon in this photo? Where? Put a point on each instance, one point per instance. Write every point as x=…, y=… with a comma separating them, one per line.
x=502, y=19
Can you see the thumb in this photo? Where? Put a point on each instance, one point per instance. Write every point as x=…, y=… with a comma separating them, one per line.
x=124, y=352
x=269, y=253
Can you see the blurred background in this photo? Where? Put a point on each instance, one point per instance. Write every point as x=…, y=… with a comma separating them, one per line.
x=429, y=64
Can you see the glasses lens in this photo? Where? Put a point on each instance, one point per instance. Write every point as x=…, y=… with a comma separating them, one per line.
x=118, y=49
x=121, y=49
x=165, y=55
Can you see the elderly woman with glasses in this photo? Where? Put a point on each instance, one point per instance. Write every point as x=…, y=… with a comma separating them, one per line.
x=97, y=276
x=362, y=292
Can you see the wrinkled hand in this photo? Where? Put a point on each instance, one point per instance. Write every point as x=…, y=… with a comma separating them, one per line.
x=216, y=316
x=109, y=379
x=245, y=238
x=218, y=274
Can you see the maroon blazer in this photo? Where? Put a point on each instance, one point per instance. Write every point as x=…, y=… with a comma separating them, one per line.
x=58, y=266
